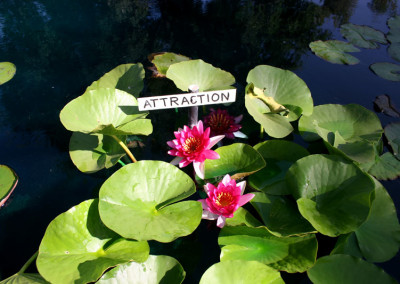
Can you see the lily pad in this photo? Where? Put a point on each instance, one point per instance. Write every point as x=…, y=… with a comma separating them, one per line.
x=362, y=36
x=140, y=201
x=386, y=167
x=7, y=72
x=243, y=217
x=335, y=51
x=105, y=111
x=346, y=269
x=332, y=193
x=279, y=156
x=384, y=104
x=197, y=72
x=280, y=215
x=8, y=182
x=394, y=29
x=156, y=269
x=125, y=77
x=241, y=272
x=78, y=248
x=392, y=133
x=347, y=244
x=238, y=160
x=386, y=70
x=379, y=235
x=93, y=152
x=291, y=254
x=394, y=51
x=25, y=278
x=163, y=60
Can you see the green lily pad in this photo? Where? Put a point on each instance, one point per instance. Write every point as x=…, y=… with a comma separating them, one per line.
x=335, y=51
x=394, y=51
x=362, y=36
x=78, y=248
x=384, y=104
x=140, y=201
x=385, y=167
x=392, y=133
x=241, y=272
x=197, y=72
x=125, y=77
x=7, y=72
x=291, y=254
x=280, y=215
x=379, y=235
x=163, y=60
x=93, y=152
x=346, y=269
x=394, y=29
x=243, y=217
x=238, y=160
x=279, y=156
x=156, y=269
x=347, y=244
x=24, y=278
x=386, y=70
x=105, y=111
x=332, y=193
x=8, y=182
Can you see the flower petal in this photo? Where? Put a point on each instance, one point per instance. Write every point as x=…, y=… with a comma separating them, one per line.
x=199, y=169
x=171, y=144
x=242, y=186
x=226, y=179
x=184, y=163
x=176, y=161
x=239, y=134
x=221, y=221
x=245, y=198
x=210, y=154
x=200, y=127
x=214, y=140
x=238, y=118
x=208, y=215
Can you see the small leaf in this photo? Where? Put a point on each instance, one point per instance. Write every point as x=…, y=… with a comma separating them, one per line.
x=384, y=104
x=392, y=133
x=335, y=51
x=163, y=60
x=386, y=70
x=8, y=182
x=362, y=36
x=7, y=72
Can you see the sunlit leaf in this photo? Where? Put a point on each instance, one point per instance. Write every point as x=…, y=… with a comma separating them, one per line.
x=8, y=182
x=163, y=60
x=24, y=278
x=362, y=36
x=335, y=51
x=386, y=70
x=7, y=72
x=243, y=217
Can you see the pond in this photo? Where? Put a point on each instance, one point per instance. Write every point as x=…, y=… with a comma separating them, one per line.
x=61, y=47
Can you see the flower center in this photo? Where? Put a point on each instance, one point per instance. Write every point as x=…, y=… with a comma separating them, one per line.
x=219, y=122
x=224, y=199
x=191, y=145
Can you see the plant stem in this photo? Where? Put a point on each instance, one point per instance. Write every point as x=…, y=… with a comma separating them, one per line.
x=122, y=144
x=26, y=265
x=122, y=163
x=261, y=132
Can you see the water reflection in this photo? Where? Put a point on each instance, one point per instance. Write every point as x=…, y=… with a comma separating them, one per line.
x=339, y=10
x=383, y=6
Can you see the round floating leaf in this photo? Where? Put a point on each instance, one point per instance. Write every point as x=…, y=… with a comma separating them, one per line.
x=280, y=215
x=346, y=269
x=155, y=270
x=386, y=70
x=197, y=72
x=347, y=244
x=394, y=29
x=162, y=61
x=384, y=104
x=243, y=217
x=139, y=201
x=24, y=278
x=394, y=51
x=334, y=51
x=362, y=36
x=8, y=182
x=279, y=156
x=105, y=111
x=379, y=236
x=125, y=77
x=93, y=152
x=238, y=160
x=7, y=71
x=78, y=248
x=291, y=254
x=283, y=86
x=392, y=133
x=241, y=272
x=332, y=193
x=385, y=167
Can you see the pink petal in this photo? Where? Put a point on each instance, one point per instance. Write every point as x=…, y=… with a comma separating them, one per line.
x=214, y=140
x=245, y=198
x=199, y=169
x=210, y=154
x=208, y=215
x=200, y=127
x=209, y=188
x=184, y=163
x=226, y=180
x=207, y=132
x=171, y=144
x=176, y=161
x=221, y=221
x=242, y=186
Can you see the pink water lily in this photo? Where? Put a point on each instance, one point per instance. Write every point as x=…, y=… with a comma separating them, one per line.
x=221, y=123
x=224, y=200
x=193, y=145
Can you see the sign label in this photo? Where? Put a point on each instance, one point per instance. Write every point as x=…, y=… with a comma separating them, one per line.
x=187, y=100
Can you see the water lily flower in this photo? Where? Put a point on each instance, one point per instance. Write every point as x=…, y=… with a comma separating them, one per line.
x=193, y=145
x=220, y=122
x=224, y=200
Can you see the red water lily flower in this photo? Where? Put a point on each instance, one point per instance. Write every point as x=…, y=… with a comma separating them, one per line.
x=221, y=123
x=193, y=145
x=224, y=200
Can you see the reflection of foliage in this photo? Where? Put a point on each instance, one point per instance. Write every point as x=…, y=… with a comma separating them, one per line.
x=381, y=6
x=340, y=10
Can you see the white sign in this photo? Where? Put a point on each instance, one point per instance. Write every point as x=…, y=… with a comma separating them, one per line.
x=187, y=100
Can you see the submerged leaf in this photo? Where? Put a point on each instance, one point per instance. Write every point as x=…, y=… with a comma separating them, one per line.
x=335, y=51
x=383, y=103
x=386, y=70
x=362, y=36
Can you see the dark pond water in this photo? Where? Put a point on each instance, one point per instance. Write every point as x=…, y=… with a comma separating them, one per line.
x=60, y=47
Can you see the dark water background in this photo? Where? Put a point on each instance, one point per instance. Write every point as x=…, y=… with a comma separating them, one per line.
x=60, y=47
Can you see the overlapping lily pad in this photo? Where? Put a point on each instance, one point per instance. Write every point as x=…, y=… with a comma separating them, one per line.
x=238, y=160
x=279, y=156
x=347, y=244
x=385, y=167
x=362, y=36
x=241, y=272
x=392, y=133
x=7, y=72
x=78, y=248
x=394, y=51
x=140, y=201
x=197, y=72
x=386, y=70
x=335, y=51
x=125, y=77
x=291, y=254
x=8, y=182
x=155, y=270
x=163, y=60
x=394, y=29
x=280, y=215
x=346, y=269
x=332, y=193
x=105, y=111
x=25, y=278
x=243, y=217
